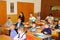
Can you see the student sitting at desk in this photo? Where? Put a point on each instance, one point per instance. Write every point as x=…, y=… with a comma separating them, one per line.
x=13, y=33
x=50, y=16
x=46, y=29
x=32, y=18
x=9, y=22
x=19, y=23
x=33, y=28
x=58, y=25
x=21, y=34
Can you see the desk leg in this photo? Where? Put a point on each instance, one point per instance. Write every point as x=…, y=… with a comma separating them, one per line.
x=58, y=35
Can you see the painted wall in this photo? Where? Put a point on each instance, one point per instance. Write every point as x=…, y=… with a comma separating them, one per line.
x=46, y=8
x=37, y=5
x=26, y=8
x=3, y=14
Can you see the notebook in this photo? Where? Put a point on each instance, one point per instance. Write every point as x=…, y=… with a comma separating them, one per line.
x=57, y=30
x=40, y=35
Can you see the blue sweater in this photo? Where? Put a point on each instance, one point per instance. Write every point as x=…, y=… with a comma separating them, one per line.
x=48, y=30
x=13, y=33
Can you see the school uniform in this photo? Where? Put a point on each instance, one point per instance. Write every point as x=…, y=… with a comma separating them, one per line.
x=19, y=24
x=32, y=19
x=48, y=30
x=20, y=36
x=13, y=33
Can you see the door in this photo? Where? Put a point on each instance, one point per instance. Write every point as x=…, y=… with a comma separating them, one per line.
x=26, y=8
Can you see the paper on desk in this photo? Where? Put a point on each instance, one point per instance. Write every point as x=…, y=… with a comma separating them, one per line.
x=57, y=30
x=40, y=35
x=38, y=27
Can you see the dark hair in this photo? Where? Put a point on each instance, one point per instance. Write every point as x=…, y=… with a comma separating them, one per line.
x=19, y=18
x=31, y=12
x=21, y=28
x=33, y=22
x=50, y=15
x=22, y=13
x=9, y=17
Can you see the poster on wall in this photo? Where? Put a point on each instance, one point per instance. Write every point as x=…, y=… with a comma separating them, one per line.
x=11, y=7
x=55, y=8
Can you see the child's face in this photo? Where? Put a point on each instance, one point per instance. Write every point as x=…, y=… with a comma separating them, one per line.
x=12, y=27
x=31, y=15
x=20, y=13
x=20, y=31
x=49, y=20
x=9, y=20
x=46, y=26
x=59, y=22
x=33, y=25
x=19, y=20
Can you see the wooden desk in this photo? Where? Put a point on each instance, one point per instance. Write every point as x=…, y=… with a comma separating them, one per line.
x=5, y=30
x=58, y=31
x=54, y=33
x=30, y=34
x=4, y=37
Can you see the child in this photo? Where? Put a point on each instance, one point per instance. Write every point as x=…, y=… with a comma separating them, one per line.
x=19, y=23
x=9, y=22
x=13, y=33
x=32, y=18
x=33, y=28
x=21, y=34
x=58, y=25
x=46, y=29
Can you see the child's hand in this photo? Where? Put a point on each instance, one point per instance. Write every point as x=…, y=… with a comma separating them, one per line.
x=20, y=39
x=45, y=32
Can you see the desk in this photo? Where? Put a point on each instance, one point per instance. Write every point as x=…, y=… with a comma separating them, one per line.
x=58, y=30
x=5, y=30
x=34, y=37
x=4, y=37
x=30, y=34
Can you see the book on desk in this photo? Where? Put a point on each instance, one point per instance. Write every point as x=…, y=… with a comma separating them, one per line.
x=41, y=35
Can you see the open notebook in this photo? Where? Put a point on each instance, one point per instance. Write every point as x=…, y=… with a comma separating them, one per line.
x=41, y=35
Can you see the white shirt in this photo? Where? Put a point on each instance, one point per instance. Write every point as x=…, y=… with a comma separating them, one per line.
x=21, y=35
x=32, y=19
x=8, y=23
x=48, y=17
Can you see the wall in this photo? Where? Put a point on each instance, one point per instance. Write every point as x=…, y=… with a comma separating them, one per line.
x=3, y=15
x=45, y=8
x=26, y=8
x=37, y=6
